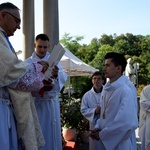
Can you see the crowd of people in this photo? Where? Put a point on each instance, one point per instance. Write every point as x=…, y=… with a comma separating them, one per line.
x=29, y=104
x=113, y=128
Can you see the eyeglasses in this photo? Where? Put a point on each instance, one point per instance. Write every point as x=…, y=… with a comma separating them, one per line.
x=16, y=19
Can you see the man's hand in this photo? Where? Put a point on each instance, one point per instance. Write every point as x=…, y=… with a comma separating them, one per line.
x=55, y=72
x=97, y=110
x=45, y=65
x=95, y=134
x=48, y=85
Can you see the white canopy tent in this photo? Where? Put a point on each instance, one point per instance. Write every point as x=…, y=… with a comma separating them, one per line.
x=73, y=66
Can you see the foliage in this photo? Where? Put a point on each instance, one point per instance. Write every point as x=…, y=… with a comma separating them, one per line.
x=18, y=52
x=144, y=71
x=81, y=53
x=121, y=46
x=107, y=40
x=140, y=88
x=70, y=112
x=81, y=85
x=98, y=61
x=83, y=124
x=87, y=53
x=71, y=42
x=135, y=46
x=71, y=116
x=92, y=50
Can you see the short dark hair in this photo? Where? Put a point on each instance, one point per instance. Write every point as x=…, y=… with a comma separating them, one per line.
x=117, y=59
x=8, y=5
x=43, y=37
x=96, y=73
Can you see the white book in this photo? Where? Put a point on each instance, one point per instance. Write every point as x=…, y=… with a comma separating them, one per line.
x=55, y=56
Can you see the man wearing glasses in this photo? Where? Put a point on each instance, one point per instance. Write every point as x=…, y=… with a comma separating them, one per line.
x=17, y=80
x=18, y=21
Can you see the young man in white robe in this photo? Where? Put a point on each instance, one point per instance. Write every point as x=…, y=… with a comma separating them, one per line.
x=90, y=105
x=47, y=104
x=144, y=123
x=134, y=92
x=118, y=116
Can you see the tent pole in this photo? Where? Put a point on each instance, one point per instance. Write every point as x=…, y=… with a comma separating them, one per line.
x=69, y=94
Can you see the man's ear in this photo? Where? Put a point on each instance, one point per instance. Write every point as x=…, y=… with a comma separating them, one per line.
x=34, y=45
x=2, y=15
x=119, y=68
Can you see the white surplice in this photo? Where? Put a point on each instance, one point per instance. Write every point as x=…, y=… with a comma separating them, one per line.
x=48, y=109
x=134, y=92
x=90, y=101
x=118, y=119
x=144, y=123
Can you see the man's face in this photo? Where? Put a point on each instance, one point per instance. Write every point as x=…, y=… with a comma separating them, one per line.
x=97, y=80
x=11, y=21
x=111, y=71
x=41, y=47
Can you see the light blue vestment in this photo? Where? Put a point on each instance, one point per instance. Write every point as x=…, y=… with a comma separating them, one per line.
x=8, y=132
x=15, y=74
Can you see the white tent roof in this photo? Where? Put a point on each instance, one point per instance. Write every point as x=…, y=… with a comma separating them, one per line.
x=73, y=66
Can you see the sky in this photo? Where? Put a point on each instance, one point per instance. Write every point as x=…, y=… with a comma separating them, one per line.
x=92, y=18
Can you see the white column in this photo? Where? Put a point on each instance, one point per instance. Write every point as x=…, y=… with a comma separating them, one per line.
x=50, y=21
x=28, y=27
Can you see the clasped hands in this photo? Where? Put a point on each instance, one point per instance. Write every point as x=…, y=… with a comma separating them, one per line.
x=97, y=110
x=95, y=134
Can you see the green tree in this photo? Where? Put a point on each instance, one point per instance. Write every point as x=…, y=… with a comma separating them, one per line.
x=107, y=40
x=71, y=42
x=145, y=44
x=144, y=71
x=87, y=52
x=120, y=37
x=134, y=41
x=98, y=61
x=135, y=46
x=121, y=46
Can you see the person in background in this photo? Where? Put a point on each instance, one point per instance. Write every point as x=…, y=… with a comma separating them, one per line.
x=17, y=79
x=47, y=106
x=144, y=119
x=90, y=105
x=134, y=92
x=118, y=116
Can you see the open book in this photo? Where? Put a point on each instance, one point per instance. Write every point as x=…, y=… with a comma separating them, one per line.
x=55, y=56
